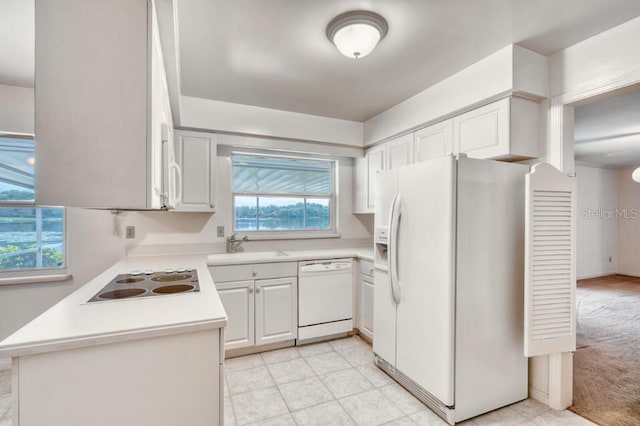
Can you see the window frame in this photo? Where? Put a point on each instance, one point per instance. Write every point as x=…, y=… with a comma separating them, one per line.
x=266, y=234
x=55, y=272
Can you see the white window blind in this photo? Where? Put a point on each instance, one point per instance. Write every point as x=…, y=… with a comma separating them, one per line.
x=274, y=193
x=281, y=176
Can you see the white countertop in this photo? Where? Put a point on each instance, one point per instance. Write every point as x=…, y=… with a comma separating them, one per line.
x=74, y=323
x=289, y=255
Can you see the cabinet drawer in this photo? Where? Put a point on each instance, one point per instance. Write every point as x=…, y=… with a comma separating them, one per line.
x=366, y=267
x=254, y=271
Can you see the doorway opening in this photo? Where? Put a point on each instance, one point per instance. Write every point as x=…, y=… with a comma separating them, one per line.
x=607, y=152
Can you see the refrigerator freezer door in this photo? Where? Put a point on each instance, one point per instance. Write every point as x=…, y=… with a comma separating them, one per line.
x=426, y=273
x=384, y=317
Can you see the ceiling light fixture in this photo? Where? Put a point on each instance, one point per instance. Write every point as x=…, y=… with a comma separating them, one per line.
x=357, y=33
x=636, y=175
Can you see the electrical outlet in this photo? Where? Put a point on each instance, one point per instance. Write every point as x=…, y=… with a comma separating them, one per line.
x=220, y=231
x=130, y=232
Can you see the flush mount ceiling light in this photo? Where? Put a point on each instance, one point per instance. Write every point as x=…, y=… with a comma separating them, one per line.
x=636, y=175
x=356, y=33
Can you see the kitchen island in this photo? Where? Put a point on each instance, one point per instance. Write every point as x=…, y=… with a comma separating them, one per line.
x=140, y=361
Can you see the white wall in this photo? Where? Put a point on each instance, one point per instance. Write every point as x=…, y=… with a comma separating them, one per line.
x=197, y=231
x=16, y=109
x=91, y=248
x=512, y=69
x=206, y=114
x=597, y=225
x=628, y=224
x=597, y=60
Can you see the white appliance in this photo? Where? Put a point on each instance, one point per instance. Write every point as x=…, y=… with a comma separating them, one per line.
x=448, y=315
x=325, y=298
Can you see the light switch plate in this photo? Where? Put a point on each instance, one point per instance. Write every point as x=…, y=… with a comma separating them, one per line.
x=220, y=231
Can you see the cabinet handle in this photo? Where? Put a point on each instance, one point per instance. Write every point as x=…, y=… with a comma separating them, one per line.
x=254, y=274
x=258, y=290
x=370, y=271
x=250, y=290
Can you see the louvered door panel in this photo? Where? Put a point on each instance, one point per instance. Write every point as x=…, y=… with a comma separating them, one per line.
x=550, y=262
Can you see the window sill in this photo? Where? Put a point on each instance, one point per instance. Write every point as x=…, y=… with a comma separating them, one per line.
x=262, y=236
x=35, y=279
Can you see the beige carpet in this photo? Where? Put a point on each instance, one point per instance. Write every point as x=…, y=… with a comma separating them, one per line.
x=606, y=366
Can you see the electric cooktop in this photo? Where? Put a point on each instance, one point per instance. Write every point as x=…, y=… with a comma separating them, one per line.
x=149, y=283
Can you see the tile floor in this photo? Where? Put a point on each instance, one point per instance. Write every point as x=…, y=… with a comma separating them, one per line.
x=336, y=383
x=330, y=383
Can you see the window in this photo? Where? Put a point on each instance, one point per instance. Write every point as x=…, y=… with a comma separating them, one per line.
x=272, y=193
x=30, y=237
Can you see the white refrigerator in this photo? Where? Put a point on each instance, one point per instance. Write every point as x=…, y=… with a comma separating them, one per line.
x=448, y=299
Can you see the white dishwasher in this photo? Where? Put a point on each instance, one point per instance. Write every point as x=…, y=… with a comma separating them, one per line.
x=325, y=298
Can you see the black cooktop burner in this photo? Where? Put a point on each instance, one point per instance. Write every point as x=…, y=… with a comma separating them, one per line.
x=136, y=285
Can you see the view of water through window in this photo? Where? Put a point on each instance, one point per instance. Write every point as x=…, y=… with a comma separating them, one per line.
x=30, y=237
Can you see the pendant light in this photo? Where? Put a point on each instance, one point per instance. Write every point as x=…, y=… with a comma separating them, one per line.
x=357, y=33
x=636, y=175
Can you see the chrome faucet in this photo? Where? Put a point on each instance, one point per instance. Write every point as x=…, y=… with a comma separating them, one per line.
x=233, y=243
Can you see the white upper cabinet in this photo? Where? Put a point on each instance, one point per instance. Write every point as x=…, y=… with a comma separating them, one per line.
x=433, y=141
x=387, y=156
x=375, y=163
x=101, y=104
x=196, y=156
x=506, y=129
x=399, y=151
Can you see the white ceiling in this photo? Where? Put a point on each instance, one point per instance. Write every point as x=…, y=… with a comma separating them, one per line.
x=607, y=132
x=275, y=53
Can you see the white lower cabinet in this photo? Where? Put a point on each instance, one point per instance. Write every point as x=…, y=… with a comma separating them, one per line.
x=259, y=311
x=238, y=301
x=276, y=310
x=365, y=300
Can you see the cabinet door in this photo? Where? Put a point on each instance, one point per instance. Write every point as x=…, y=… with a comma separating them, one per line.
x=483, y=132
x=238, y=301
x=276, y=310
x=196, y=155
x=160, y=120
x=367, y=286
x=400, y=151
x=375, y=163
x=360, y=194
x=433, y=141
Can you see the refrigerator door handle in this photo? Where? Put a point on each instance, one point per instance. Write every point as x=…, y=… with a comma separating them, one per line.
x=394, y=224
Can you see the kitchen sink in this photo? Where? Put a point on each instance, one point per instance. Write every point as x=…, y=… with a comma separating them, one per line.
x=245, y=256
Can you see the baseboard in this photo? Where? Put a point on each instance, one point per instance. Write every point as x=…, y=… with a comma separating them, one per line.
x=538, y=395
x=588, y=277
x=5, y=363
x=232, y=353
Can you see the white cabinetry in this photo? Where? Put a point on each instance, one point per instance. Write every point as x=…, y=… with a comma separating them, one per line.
x=366, y=287
x=389, y=155
x=506, y=129
x=434, y=141
x=238, y=301
x=399, y=151
x=196, y=155
x=261, y=301
x=101, y=104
